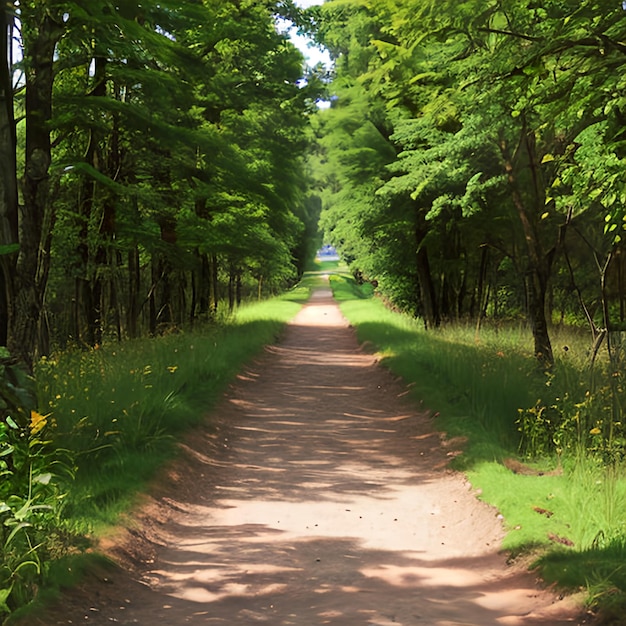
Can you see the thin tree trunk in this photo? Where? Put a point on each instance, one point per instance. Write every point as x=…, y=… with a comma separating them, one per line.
x=134, y=281
x=152, y=324
x=194, y=279
x=476, y=309
x=167, y=224
x=538, y=266
x=428, y=297
x=215, y=288
x=8, y=178
x=204, y=285
x=231, y=289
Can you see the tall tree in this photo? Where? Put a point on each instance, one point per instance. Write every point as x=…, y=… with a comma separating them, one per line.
x=8, y=172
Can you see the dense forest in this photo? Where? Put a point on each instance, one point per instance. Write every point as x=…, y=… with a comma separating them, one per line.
x=154, y=161
x=152, y=165
x=472, y=161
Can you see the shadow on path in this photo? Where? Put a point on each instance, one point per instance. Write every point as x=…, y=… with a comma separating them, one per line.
x=322, y=498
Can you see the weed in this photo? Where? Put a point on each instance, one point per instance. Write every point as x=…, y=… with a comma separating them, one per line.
x=35, y=476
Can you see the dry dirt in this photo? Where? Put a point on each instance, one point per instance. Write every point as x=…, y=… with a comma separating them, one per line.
x=322, y=496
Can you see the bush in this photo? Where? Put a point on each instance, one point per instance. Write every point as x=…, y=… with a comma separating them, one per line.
x=34, y=479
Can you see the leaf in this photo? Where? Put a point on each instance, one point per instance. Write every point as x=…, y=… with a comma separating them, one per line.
x=609, y=200
x=422, y=76
x=14, y=532
x=43, y=479
x=8, y=450
x=4, y=596
x=547, y=158
x=9, y=248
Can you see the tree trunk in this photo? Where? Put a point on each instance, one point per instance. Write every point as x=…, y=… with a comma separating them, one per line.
x=152, y=324
x=215, y=287
x=539, y=263
x=428, y=298
x=477, y=306
x=238, y=288
x=134, y=281
x=169, y=236
x=8, y=178
x=204, y=285
x=41, y=34
x=91, y=289
x=231, y=289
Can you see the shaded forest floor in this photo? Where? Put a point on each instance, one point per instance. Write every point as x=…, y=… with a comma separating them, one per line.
x=315, y=494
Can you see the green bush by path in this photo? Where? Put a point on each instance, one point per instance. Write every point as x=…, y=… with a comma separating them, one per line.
x=34, y=478
x=531, y=438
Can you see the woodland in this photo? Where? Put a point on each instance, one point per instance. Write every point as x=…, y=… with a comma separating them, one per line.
x=474, y=158
x=159, y=151
x=170, y=156
x=162, y=163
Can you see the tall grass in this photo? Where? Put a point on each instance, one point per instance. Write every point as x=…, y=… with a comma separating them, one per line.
x=476, y=380
x=564, y=500
x=120, y=408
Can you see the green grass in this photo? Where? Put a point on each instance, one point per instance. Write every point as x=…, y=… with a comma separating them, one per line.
x=120, y=409
x=569, y=512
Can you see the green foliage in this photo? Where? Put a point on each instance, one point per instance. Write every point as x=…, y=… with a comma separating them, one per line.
x=175, y=178
x=34, y=478
x=504, y=143
x=578, y=409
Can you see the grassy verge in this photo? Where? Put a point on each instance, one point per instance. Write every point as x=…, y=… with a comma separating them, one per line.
x=116, y=413
x=565, y=511
x=119, y=409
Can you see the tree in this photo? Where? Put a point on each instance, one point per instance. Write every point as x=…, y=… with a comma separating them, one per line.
x=148, y=127
x=485, y=105
x=8, y=173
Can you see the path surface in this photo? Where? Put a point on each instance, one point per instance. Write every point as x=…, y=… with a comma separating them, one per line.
x=322, y=498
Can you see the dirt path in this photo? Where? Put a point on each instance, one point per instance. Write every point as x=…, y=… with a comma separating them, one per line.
x=323, y=498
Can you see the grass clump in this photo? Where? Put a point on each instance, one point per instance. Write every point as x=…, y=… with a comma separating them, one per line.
x=544, y=448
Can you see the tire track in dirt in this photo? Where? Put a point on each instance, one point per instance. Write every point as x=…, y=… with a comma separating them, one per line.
x=322, y=497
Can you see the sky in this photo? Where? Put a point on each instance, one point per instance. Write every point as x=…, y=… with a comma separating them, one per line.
x=312, y=55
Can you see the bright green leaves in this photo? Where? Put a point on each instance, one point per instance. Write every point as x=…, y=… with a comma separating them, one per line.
x=507, y=125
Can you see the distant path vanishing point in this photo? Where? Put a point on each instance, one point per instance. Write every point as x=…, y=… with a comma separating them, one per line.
x=322, y=497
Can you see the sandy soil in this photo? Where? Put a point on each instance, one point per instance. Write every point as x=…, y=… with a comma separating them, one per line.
x=322, y=496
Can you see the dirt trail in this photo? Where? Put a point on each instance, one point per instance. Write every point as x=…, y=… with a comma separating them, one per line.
x=322, y=498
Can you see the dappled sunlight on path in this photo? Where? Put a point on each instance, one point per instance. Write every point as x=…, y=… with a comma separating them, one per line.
x=323, y=497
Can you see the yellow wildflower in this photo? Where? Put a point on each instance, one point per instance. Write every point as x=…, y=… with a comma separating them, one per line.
x=37, y=422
